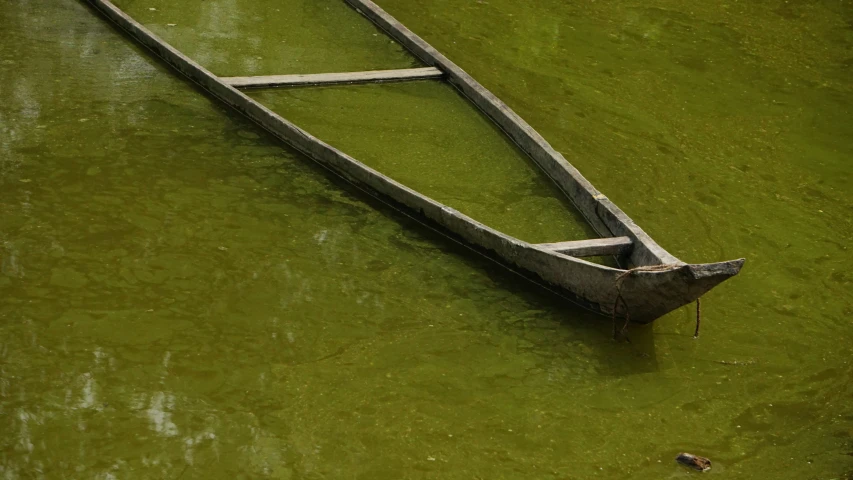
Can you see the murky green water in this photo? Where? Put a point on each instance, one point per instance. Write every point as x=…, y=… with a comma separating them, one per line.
x=182, y=297
x=270, y=37
x=428, y=137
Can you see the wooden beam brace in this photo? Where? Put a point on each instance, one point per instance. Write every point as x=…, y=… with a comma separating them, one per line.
x=399, y=75
x=591, y=248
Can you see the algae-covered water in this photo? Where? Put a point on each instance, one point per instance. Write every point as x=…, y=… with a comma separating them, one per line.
x=428, y=137
x=183, y=297
x=270, y=37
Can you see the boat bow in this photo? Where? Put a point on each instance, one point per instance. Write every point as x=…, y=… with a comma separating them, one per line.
x=647, y=294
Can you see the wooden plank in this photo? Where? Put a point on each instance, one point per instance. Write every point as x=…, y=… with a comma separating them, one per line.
x=591, y=248
x=399, y=75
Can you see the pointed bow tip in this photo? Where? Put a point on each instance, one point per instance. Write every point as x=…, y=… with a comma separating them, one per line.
x=719, y=269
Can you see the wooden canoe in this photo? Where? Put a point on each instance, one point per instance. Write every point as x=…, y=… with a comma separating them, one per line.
x=653, y=282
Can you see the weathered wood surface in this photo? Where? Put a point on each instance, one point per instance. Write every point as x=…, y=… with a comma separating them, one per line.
x=596, y=247
x=649, y=294
x=374, y=76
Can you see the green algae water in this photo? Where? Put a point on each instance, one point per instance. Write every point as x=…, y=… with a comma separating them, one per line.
x=270, y=37
x=183, y=297
x=429, y=138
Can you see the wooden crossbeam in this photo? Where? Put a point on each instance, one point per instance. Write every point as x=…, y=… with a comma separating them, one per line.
x=591, y=248
x=399, y=75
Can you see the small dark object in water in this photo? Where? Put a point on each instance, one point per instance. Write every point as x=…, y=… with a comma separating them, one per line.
x=694, y=461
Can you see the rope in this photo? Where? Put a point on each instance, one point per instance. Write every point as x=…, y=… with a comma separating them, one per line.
x=618, y=334
x=647, y=268
x=698, y=318
x=621, y=333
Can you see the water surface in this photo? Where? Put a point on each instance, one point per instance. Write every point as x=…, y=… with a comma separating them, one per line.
x=270, y=37
x=428, y=137
x=180, y=296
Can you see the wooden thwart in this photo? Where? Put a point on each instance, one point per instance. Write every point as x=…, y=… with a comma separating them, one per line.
x=591, y=248
x=399, y=75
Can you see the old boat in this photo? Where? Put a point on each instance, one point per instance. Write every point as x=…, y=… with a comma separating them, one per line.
x=652, y=282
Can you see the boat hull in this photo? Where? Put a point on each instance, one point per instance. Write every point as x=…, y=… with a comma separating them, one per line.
x=646, y=294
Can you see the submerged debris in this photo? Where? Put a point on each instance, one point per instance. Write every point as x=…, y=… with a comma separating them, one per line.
x=695, y=462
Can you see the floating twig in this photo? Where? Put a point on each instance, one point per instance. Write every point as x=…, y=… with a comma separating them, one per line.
x=694, y=461
x=737, y=363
